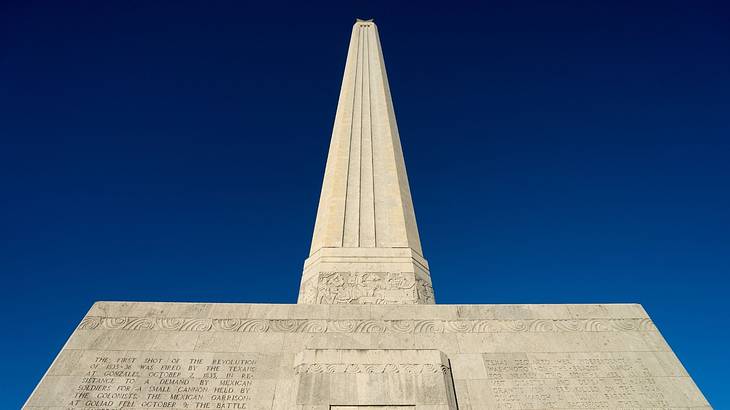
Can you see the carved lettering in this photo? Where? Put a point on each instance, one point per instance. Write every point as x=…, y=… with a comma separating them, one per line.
x=568, y=382
x=370, y=368
x=118, y=380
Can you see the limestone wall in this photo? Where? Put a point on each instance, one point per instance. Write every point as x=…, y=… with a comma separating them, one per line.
x=262, y=356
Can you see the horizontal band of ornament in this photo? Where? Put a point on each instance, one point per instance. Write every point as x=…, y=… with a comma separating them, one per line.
x=318, y=368
x=367, y=326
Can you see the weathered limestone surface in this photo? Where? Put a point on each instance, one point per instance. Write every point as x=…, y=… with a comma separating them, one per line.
x=257, y=356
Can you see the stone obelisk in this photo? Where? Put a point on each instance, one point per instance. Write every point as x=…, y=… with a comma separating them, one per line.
x=337, y=349
x=365, y=247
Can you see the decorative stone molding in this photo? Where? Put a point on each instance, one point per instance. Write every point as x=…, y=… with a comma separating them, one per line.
x=367, y=326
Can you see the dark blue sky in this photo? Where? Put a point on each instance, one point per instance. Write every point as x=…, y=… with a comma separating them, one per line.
x=173, y=151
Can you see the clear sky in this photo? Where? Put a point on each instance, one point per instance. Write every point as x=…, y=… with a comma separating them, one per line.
x=173, y=151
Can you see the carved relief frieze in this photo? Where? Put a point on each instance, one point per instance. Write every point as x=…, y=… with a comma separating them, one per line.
x=365, y=288
x=367, y=325
x=381, y=288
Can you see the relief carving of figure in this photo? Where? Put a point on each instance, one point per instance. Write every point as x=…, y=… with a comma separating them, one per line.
x=309, y=292
x=365, y=287
x=425, y=291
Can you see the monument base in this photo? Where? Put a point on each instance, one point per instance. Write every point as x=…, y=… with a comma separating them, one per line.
x=126, y=355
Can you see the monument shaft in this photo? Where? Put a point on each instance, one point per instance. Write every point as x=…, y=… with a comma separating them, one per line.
x=365, y=247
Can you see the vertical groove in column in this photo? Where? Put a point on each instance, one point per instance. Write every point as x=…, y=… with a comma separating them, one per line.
x=372, y=150
x=367, y=210
x=352, y=122
x=352, y=199
x=385, y=188
x=359, y=163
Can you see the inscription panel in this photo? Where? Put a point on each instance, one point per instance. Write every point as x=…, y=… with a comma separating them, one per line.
x=572, y=381
x=105, y=380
